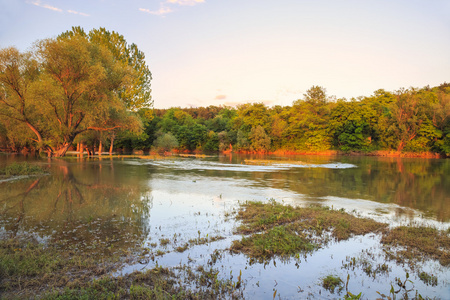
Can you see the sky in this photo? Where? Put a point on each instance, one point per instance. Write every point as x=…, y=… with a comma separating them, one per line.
x=228, y=52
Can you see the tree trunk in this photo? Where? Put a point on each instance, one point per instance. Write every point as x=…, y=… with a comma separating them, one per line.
x=100, y=148
x=62, y=150
x=81, y=148
x=112, y=144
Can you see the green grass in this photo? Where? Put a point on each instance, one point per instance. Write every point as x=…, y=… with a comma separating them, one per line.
x=331, y=282
x=278, y=241
x=428, y=279
x=16, y=169
x=283, y=230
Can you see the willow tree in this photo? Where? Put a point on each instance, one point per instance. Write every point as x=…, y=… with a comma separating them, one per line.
x=137, y=95
x=18, y=72
x=67, y=86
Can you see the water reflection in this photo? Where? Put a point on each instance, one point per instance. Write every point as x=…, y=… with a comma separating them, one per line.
x=96, y=206
x=419, y=184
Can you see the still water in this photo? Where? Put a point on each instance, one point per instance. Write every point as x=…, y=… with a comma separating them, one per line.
x=112, y=204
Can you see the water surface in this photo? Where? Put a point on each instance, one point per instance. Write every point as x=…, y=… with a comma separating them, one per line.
x=106, y=205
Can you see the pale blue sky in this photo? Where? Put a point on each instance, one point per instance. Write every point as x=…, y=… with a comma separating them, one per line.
x=213, y=52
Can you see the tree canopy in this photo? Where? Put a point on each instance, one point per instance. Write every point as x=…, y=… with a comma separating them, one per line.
x=72, y=84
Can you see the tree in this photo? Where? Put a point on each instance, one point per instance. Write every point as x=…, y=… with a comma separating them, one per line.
x=18, y=72
x=166, y=142
x=137, y=94
x=309, y=118
x=70, y=85
x=406, y=117
x=260, y=141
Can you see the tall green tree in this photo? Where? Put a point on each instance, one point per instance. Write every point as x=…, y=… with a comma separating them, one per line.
x=137, y=94
x=18, y=73
x=65, y=87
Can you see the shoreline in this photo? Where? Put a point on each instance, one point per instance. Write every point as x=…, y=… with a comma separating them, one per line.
x=378, y=153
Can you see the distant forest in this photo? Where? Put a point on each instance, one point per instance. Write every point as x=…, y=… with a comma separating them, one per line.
x=407, y=120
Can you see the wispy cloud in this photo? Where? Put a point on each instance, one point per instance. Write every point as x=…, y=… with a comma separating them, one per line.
x=47, y=6
x=163, y=10
x=185, y=2
x=78, y=13
x=221, y=97
x=40, y=4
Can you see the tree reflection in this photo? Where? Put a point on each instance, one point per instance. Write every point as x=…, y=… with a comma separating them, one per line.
x=89, y=206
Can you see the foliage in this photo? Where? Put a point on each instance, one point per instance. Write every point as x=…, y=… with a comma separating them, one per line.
x=166, y=142
x=73, y=84
x=406, y=120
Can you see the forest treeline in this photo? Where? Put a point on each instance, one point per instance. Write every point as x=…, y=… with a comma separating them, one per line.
x=408, y=120
x=93, y=89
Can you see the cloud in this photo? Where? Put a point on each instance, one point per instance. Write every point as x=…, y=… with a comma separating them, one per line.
x=38, y=3
x=78, y=13
x=163, y=10
x=221, y=97
x=185, y=2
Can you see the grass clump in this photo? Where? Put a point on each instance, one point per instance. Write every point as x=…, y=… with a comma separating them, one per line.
x=257, y=216
x=283, y=230
x=16, y=169
x=331, y=282
x=419, y=241
x=276, y=241
x=428, y=279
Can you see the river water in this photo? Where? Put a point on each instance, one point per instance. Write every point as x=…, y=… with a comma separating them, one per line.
x=108, y=204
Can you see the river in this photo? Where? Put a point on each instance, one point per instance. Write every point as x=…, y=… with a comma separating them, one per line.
x=100, y=204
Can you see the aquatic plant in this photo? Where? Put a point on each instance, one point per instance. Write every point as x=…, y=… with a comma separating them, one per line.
x=331, y=282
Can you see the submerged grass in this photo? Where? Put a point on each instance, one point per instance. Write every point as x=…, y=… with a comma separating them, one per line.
x=277, y=229
x=30, y=270
x=332, y=282
x=276, y=241
x=16, y=169
x=27, y=267
x=273, y=229
x=419, y=241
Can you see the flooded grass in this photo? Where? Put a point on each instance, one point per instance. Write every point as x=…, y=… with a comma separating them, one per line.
x=277, y=229
x=18, y=169
x=27, y=268
x=33, y=269
x=332, y=282
x=418, y=242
